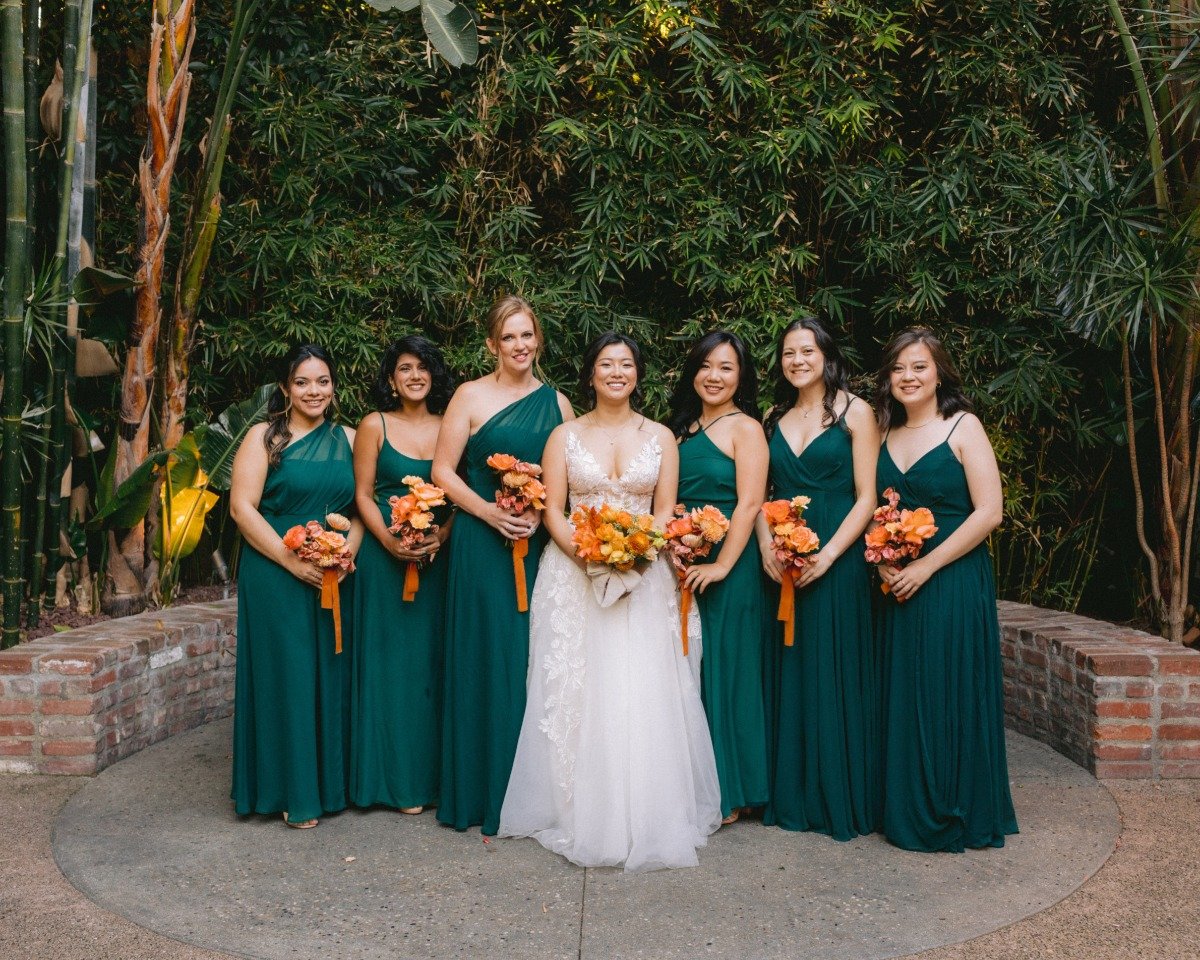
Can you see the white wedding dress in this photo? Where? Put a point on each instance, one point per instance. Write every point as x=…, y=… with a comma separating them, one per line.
x=614, y=766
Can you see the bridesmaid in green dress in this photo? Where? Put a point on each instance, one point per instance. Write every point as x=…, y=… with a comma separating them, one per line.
x=291, y=705
x=487, y=638
x=396, y=711
x=723, y=462
x=825, y=689
x=946, y=774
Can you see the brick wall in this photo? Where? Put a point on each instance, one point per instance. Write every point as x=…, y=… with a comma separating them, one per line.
x=78, y=701
x=1120, y=702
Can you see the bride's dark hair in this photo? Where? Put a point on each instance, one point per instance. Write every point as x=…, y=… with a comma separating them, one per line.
x=587, y=366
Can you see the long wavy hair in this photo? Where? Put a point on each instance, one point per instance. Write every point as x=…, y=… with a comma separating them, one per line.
x=587, y=366
x=441, y=381
x=951, y=398
x=836, y=374
x=279, y=431
x=686, y=404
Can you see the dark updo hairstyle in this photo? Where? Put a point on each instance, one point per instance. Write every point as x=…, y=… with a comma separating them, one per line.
x=836, y=375
x=950, y=396
x=279, y=432
x=686, y=404
x=441, y=381
x=587, y=366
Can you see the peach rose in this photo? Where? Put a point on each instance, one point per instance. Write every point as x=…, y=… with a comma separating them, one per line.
x=502, y=461
x=337, y=521
x=777, y=511
x=295, y=537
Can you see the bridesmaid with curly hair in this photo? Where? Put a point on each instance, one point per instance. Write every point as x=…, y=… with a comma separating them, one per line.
x=396, y=713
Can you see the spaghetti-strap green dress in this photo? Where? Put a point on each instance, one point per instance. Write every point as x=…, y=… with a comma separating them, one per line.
x=825, y=756
x=396, y=711
x=731, y=668
x=291, y=707
x=946, y=772
x=487, y=639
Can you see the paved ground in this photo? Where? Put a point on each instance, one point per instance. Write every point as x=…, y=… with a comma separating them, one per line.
x=153, y=839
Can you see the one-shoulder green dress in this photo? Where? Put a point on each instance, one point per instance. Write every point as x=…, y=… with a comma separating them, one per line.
x=487, y=639
x=396, y=712
x=291, y=705
x=946, y=773
x=731, y=612
x=825, y=688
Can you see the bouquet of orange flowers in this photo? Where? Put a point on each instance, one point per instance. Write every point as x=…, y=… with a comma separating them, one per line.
x=898, y=535
x=792, y=540
x=691, y=537
x=520, y=490
x=412, y=521
x=328, y=550
x=613, y=542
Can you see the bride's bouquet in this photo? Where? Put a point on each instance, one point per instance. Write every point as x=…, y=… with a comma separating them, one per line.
x=520, y=490
x=897, y=535
x=329, y=550
x=792, y=540
x=691, y=537
x=412, y=522
x=614, y=542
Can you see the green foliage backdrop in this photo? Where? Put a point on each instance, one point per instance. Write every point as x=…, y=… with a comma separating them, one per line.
x=666, y=168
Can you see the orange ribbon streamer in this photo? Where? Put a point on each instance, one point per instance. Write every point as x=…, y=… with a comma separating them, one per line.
x=412, y=581
x=520, y=550
x=331, y=600
x=685, y=606
x=787, y=607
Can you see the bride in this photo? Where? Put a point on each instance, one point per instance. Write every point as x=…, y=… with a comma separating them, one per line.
x=614, y=765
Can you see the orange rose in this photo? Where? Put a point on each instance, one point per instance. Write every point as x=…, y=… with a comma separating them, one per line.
x=639, y=542
x=917, y=525
x=777, y=511
x=502, y=461
x=712, y=523
x=337, y=521
x=803, y=540
x=295, y=537
x=679, y=527
x=877, y=537
x=422, y=520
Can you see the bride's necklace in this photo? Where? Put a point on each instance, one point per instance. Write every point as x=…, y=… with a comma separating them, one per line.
x=609, y=432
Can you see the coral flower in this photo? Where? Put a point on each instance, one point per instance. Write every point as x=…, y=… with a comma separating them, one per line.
x=917, y=525
x=295, y=537
x=502, y=461
x=878, y=537
x=712, y=523
x=777, y=511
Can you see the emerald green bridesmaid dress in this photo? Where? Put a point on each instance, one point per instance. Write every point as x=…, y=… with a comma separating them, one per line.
x=396, y=710
x=731, y=667
x=292, y=692
x=487, y=639
x=946, y=773
x=825, y=757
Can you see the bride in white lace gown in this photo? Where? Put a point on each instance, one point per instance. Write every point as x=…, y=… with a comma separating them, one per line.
x=614, y=766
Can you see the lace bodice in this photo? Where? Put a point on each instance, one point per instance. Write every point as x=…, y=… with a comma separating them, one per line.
x=587, y=482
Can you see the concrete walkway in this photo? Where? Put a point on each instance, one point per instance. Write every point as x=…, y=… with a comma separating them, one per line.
x=154, y=839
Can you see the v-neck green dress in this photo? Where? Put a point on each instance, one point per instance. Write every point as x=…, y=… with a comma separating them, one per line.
x=731, y=612
x=396, y=713
x=292, y=692
x=946, y=772
x=825, y=757
x=487, y=639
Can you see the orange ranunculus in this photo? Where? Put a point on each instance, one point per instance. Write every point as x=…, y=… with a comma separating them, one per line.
x=607, y=514
x=606, y=531
x=294, y=537
x=783, y=529
x=337, y=521
x=803, y=540
x=917, y=525
x=799, y=504
x=645, y=521
x=639, y=542
x=502, y=461
x=515, y=480
x=878, y=536
x=678, y=527
x=421, y=520
x=777, y=511
x=330, y=541
x=624, y=519
x=712, y=523
x=426, y=492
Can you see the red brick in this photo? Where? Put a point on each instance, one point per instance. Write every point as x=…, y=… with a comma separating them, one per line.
x=1180, y=751
x=1175, y=711
x=70, y=708
x=50, y=688
x=1185, y=770
x=9, y=708
x=1170, y=691
x=1110, y=770
x=1129, y=710
x=1120, y=665
x=72, y=665
x=16, y=748
x=1119, y=731
x=71, y=766
x=1121, y=751
x=1139, y=688
x=1035, y=658
x=1180, y=664
x=12, y=662
x=69, y=748
x=1179, y=731
x=16, y=728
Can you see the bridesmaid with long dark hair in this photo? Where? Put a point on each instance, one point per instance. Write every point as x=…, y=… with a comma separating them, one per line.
x=291, y=705
x=723, y=462
x=396, y=715
x=825, y=693
x=946, y=771
x=487, y=638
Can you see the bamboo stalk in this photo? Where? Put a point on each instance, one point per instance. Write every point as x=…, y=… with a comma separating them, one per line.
x=16, y=256
x=33, y=137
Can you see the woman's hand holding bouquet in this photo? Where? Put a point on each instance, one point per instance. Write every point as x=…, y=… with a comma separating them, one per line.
x=690, y=537
x=329, y=552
